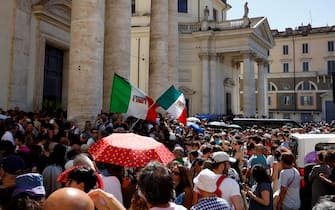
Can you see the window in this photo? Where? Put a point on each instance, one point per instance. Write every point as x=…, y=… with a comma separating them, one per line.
x=286, y=100
x=268, y=67
x=269, y=100
x=215, y=14
x=305, y=48
x=182, y=6
x=331, y=66
x=285, y=49
x=306, y=85
x=133, y=9
x=272, y=87
x=305, y=66
x=306, y=100
x=330, y=46
x=285, y=67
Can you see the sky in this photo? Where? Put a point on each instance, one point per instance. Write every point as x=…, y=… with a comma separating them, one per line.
x=283, y=14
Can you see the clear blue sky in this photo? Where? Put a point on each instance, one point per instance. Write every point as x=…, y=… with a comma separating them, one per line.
x=282, y=14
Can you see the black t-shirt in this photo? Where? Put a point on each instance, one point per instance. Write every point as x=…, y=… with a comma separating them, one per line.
x=5, y=196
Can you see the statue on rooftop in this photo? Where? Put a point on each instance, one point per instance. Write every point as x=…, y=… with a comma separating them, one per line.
x=246, y=10
x=206, y=13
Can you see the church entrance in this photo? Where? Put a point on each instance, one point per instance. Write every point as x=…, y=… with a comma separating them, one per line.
x=53, y=77
x=228, y=104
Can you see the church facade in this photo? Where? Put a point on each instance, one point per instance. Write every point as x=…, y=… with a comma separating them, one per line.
x=66, y=52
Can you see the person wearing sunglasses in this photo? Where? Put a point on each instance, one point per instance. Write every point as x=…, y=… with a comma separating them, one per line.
x=182, y=185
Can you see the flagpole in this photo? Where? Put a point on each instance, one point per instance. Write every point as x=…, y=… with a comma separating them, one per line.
x=133, y=125
x=138, y=119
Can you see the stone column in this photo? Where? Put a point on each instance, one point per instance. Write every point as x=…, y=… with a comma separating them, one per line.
x=173, y=42
x=219, y=98
x=205, y=83
x=249, y=87
x=236, y=109
x=86, y=59
x=213, y=83
x=266, y=85
x=117, y=45
x=158, y=54
x=261, y=86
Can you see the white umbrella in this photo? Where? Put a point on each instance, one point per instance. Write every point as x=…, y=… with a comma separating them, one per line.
x=234, y=126
x=217, y=124
x=193, y=119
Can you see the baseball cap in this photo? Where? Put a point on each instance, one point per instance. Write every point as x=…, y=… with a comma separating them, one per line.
x=30, y=183
x=206, y=180
x=221, y=156
x=12, y=164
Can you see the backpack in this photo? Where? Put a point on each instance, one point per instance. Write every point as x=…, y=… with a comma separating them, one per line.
x=218, y=183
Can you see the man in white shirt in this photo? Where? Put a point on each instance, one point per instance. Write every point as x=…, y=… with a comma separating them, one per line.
x=9, y=134
x=228, y=187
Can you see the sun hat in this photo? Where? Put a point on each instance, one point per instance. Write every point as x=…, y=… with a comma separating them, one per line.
x=30, y=183
x=206, y=180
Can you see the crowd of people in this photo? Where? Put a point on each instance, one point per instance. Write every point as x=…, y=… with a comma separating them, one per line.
x=45, y=164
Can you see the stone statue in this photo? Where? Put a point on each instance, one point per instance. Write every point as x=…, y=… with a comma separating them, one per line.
x=246, y=20
x=206, y=13
x=246, y=9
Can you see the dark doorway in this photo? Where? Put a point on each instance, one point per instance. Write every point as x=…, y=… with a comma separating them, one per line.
x=330, y=111
x=53, y=76
x=228, y=104
x=187, y=106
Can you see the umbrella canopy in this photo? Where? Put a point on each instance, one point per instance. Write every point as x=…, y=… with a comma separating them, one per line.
x=195, y=127
x=216, y=124
x=193, y=119
x=130, y=150
x=234, y=126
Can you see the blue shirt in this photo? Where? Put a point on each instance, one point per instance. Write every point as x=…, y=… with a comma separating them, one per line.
x=212, y=203
x=254, y=205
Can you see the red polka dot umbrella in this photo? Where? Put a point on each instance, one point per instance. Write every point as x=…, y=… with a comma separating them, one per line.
x=130, y=150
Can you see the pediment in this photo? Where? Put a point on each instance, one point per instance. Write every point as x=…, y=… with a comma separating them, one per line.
x=61, y=9
x=263, y=31
x=57, y=12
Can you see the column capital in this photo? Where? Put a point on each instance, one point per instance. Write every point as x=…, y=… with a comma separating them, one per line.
x=248, y=54
x=213, y=55
x=203, y=55
x=261, y=61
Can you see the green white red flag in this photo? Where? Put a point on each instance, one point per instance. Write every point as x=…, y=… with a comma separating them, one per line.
x=128, y=99
x=173, y=102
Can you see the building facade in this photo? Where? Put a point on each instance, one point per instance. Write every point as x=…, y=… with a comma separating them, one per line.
x=214, y=55
x=66, y=52
x=300, y=74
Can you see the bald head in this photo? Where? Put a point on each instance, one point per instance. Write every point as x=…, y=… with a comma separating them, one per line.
x=259, y=148
x=68, y=198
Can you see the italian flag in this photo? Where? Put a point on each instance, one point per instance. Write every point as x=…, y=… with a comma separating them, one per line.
x=126, y=98
x=173, y=101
